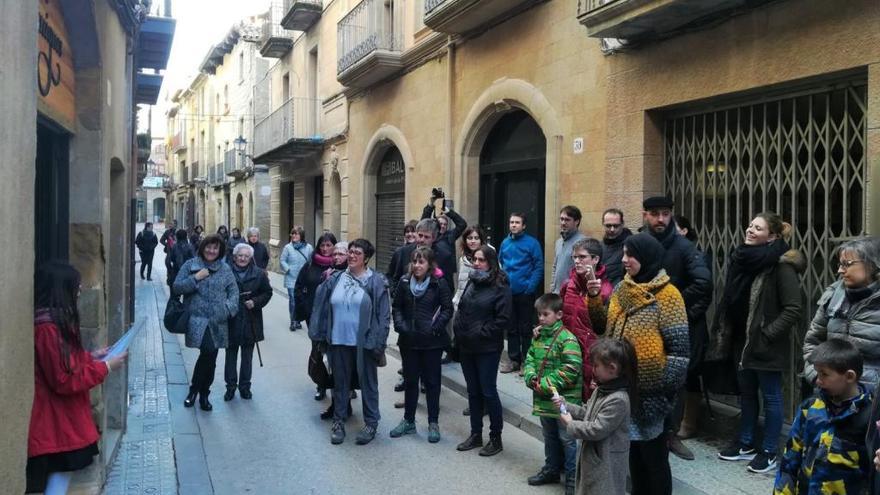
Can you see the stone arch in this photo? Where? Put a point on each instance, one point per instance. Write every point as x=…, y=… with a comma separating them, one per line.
x=385, y=137
x=502, y=97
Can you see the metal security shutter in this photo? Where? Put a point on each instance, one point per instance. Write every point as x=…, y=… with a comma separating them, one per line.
x=801, y=155
x=389, y=227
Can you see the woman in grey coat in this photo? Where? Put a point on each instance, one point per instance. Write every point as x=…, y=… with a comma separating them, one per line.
x=210, y=294
x=850, y=308
x=296, y=254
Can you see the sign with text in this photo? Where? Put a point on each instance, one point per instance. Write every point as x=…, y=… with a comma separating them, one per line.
x=55, y=74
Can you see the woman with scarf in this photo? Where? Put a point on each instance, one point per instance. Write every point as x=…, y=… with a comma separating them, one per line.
x=472, y=239
x=422, y=307
x=585, y=289
x=648, y=311
x=294, y=257
x=246, y=327
x=307, y=282
x=484, y=312
x=62, y=437
x=760, y=304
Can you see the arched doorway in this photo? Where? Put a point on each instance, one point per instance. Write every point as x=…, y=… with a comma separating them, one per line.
x=512, y=175
x=190, y=210
x=239, y=213
x=390, y=205
x=158, y=209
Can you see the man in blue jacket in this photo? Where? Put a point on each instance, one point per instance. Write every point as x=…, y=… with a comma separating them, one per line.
x=522, y=259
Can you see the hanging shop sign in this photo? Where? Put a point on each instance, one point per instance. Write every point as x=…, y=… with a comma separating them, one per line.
x=55, y=74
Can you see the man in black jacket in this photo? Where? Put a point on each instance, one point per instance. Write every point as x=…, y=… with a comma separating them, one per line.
x=168, y=237
x=688, y=272
x=181, y=252
x=445, y=254
x=612, y=244
x=146, y=242
x=261, y=252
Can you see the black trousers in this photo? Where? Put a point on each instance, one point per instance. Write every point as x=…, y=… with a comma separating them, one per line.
x=519, y=335
x=649, y=467
x=147, y=262
x=424, y=364
x=234, y=377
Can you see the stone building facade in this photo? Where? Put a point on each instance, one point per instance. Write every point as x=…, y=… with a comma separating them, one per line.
x=71, y=77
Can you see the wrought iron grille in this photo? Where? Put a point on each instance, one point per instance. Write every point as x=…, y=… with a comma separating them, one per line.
x=802, y=156
x=371, y=25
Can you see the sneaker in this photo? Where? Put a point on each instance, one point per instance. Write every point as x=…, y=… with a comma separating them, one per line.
x=366, y=435
x=404, y=428
x=337, y=433
x=764, y=462
x=433, y=432
x=738, y=452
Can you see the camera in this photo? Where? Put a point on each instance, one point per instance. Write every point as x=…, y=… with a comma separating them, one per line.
x=437, y=193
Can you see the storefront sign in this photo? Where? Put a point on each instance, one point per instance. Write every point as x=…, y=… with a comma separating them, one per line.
x=55, y=74
x=392, y=173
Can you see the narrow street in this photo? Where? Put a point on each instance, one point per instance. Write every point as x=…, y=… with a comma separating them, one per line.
x=277, y=444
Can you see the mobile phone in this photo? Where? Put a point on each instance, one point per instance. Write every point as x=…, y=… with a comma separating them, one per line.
x=448, y=204
x=591, y=275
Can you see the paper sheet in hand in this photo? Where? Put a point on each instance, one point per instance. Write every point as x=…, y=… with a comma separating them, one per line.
x=122, y=344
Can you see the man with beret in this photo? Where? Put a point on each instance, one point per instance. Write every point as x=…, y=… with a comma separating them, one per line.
x=689, y=273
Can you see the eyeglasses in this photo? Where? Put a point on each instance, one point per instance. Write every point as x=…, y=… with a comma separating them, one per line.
x=353, y=252
x=845, y=264
x=612, y=226
x=242, y=256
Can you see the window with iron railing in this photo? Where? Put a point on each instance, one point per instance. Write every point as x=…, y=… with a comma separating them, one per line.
x=372, y=25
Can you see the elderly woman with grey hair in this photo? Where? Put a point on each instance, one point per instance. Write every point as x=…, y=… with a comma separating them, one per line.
x=246, y=327
x=210, y=294
x=850, y=308
x=261, y=253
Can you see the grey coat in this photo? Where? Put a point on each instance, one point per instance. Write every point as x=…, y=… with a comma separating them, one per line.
x=562, y=263
x=375, y=313
x=211, y=301
x=859, y=323
x=603, y=426
x=292, y=261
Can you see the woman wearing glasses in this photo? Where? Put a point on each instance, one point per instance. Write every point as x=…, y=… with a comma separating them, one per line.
x=850, y=308
x=760, y=305
x=350, y=322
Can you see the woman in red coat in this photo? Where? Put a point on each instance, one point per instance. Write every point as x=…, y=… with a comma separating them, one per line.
x=585, y=287
x=62, y=437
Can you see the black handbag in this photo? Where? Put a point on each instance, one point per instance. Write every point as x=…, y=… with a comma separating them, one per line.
x=176, y=318
x=318, y=372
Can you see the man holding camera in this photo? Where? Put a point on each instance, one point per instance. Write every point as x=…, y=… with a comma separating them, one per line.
x=444, y=244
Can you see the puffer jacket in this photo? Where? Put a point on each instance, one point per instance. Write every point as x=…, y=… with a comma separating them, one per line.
x=652, y=317
x=775, y=307
x=859, y=323
x=825, y=452
x=553, y=362
x=211, y=301
x=375, y=313
x=292, y=260
x=246, y=327
x=421, y=321
x=484, y=313
x=577, y=317
x=464, y=270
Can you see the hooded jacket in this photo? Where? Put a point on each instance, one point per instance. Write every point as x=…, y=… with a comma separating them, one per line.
x=523, y=261
x=775, y=307
x=859, y=323
x=293, y=258
x=421, y=321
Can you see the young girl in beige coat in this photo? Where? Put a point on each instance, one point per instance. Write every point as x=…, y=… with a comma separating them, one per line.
x=603, y=422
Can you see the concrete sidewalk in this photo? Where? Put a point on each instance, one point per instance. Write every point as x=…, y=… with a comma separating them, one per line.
x=704, y=475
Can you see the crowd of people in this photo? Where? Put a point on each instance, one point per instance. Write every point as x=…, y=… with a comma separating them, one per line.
x=617, y=354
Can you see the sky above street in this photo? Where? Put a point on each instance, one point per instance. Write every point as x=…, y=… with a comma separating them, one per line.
x=200, y=24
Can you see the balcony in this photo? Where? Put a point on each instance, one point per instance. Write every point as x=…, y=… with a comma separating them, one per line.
x=462, y=16
x=276, y=41
x=370, y=43
x=289, y=132
x=301, y=14
x=178, y=143
x=645, y=20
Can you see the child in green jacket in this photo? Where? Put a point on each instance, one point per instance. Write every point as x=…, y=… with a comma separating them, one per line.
x=553, y=364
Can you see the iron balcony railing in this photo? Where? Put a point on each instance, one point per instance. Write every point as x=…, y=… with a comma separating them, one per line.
x=372, y=25
x=231, y=161
x=430, y=5
x=297, y=118
x=272, y=24
x=584, y=6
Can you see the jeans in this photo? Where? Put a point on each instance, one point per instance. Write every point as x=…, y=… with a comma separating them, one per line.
x=147, y=262
x=344, y=359
x=649, y=467
x=242, y=379
x=560, y=448
x=770, y=384
x=424, y=364
x=481, y=374
x=519, y=335
x=291, y=305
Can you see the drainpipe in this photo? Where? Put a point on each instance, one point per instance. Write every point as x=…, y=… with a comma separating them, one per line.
x=450, y=105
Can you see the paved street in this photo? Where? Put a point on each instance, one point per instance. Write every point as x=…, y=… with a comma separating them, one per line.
x=276, y=444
